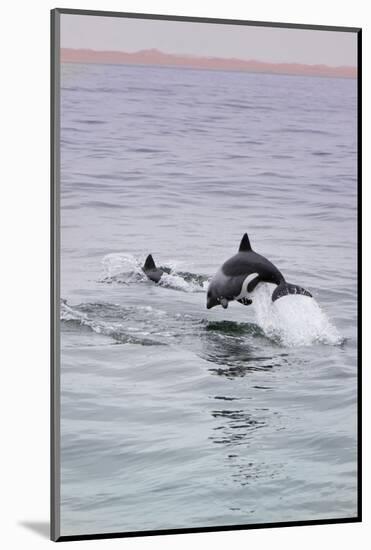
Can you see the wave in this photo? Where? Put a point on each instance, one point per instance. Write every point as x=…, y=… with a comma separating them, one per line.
x=291, y=321
x=104, y=318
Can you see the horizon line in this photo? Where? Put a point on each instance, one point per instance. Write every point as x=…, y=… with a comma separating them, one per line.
x=159, y=58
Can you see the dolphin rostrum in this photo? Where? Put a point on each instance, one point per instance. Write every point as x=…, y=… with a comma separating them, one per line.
x=239, y=276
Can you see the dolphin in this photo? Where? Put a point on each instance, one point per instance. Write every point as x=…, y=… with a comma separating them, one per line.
x=153, y=273
x=239, y=276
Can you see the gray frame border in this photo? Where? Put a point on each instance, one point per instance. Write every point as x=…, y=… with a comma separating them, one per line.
x=55, y=472
x=55, y=277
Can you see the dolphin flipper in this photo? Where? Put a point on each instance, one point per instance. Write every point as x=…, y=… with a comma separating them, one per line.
x=223, y=302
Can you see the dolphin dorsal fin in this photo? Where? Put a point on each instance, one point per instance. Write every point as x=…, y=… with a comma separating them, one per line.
x=149, y=263
x=245, y=245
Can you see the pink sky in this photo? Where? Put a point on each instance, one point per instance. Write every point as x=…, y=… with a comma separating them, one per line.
x=200, y=39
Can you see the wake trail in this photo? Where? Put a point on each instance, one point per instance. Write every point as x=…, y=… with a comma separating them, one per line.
x=126, y=269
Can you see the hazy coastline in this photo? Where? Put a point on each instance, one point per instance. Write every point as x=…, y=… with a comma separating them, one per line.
x=158, y=58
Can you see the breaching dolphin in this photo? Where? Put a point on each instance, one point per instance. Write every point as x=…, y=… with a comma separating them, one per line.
x=239, y=276
x=153, y=273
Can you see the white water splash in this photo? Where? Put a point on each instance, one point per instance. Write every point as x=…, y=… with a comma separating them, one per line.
x=122, y=268
x=176, y=282
x=293, y=320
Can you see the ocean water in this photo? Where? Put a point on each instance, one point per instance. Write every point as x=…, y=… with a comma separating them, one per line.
x=174, y=416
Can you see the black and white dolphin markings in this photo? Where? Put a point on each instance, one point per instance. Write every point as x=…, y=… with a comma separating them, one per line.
x=240, y=275
x=153, y=273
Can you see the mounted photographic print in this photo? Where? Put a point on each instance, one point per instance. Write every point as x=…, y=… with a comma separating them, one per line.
x=205, y=274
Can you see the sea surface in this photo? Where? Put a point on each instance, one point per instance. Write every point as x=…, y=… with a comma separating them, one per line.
x=174, y=416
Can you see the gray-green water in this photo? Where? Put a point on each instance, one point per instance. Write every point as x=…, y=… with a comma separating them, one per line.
x=174, y=416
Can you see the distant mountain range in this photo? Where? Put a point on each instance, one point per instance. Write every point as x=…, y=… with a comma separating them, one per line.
x=156, y=57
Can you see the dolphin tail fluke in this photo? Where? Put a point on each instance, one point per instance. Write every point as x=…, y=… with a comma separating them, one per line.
x=149, y=264
x=284, y=289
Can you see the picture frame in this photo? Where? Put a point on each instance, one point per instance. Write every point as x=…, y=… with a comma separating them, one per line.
x=57, y=531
